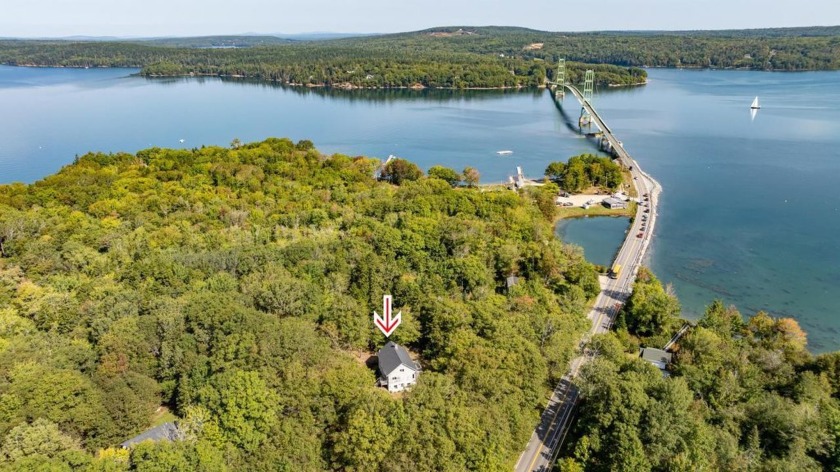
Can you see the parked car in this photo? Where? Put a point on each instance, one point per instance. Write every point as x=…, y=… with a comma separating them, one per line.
x=640, y=235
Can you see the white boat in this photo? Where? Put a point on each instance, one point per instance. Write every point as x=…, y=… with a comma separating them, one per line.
x=755, y=105
x=504, y=153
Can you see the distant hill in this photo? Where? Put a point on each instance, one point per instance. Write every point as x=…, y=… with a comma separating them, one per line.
x=244, y=41
x=318, y=36
x=445, y=57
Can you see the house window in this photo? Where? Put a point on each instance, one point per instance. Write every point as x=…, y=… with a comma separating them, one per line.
x=395, y=378
x=402, y=370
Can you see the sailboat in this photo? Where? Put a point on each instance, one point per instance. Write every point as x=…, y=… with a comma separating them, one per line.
x=755, y=105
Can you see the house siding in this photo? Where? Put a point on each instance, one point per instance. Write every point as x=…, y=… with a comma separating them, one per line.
x=399, y=381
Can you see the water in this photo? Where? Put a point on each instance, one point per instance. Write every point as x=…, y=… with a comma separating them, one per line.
x=600, y=237
x=750, y=211
x=53, y=114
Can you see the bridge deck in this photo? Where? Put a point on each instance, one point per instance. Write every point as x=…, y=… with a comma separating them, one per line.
x=547, y=438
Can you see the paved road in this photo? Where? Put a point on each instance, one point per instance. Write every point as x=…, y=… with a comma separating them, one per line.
x=559, y=413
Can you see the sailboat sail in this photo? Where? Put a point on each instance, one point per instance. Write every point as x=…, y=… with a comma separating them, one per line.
x=755, y=105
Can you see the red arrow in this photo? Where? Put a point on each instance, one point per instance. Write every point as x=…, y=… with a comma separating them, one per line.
x=388, y=324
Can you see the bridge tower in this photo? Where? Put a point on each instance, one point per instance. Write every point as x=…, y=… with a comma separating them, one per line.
x=588, y=90
x=588, y=85
x=560, y=80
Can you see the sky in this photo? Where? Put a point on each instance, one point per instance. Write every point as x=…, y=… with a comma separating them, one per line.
x=57, y=18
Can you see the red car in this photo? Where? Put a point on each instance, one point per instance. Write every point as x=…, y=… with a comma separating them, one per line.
x=640, y=235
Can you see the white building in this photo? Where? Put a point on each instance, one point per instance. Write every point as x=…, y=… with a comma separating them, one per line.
x=396, y=369
x=613, y=202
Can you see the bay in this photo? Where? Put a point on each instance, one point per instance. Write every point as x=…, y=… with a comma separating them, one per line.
x=750, y=211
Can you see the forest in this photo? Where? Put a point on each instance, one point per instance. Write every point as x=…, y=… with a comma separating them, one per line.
x=585, y=171
x=453, y=57
x=743, y=395
x=335, y=63
x=232, y=288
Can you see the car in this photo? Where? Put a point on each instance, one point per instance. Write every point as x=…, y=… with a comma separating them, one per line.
x=640, y=235
x=647, y=210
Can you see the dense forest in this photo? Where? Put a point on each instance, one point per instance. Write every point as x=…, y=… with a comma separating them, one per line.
x=585, y=171
x=336, y=63
x=234, y=287
x=457, y=57
x=231, y=289
x=742, y=395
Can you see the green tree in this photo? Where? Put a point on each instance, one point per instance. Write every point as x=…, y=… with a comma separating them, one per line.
x=398, y=171
x=651, y=310
x=364, y=442
x=471, y=176
x=446, y=174
x=556, y=171
x=243, y=407
x=41, y=437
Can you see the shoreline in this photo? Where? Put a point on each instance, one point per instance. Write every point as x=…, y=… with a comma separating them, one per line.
x=341, y=86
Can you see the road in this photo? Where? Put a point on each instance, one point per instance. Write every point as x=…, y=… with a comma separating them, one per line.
x=554, y=424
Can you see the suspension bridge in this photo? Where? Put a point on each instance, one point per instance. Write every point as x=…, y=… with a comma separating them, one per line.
x=556, y=420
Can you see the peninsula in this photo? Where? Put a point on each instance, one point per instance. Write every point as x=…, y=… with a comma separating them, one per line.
x=451, y=57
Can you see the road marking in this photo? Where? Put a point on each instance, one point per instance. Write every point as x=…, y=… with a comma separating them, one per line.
x=539, y=448
x=569, y=387
x=632, y=249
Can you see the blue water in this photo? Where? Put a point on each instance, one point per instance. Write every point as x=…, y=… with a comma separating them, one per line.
x=600, y=237
x=53, y=114
x=750, y=211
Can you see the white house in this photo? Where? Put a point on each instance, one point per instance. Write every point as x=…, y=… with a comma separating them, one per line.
x=396, y=369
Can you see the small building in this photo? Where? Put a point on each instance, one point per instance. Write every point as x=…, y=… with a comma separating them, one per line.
x=614, y=203
x=511, y=281
x=165, y=432
x=657, y=357
x=396, y=369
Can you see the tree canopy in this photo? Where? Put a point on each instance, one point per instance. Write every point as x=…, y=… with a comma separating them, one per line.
x=584, y=171
x=742, y=395
x=452, y=57
x=235, y=287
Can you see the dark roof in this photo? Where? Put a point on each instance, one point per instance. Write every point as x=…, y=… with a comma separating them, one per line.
x=164, y=432
x=392, y=356
x=656, y=355
x=612, y=201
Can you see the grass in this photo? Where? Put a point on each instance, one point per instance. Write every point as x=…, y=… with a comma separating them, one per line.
x=594, y=210
x=162, y=415
x=627, y=183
